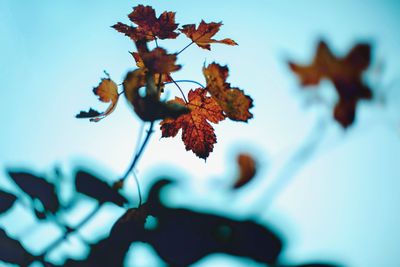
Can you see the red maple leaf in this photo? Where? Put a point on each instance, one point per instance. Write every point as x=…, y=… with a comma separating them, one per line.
x=197, y=133
x=149, y=27
x=202, y=35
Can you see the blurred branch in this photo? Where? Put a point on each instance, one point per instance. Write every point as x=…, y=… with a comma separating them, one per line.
x=291, y=167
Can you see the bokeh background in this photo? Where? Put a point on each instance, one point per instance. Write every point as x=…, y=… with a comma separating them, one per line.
x=339, y=203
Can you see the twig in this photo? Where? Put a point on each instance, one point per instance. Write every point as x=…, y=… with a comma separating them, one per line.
x=294, y=163
x=186, y=81
x=139, y=153
x=183, y=49
x=72, y=230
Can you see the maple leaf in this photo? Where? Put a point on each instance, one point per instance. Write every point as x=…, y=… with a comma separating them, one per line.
x=202, y=35
x=149, y=26
x=158, y=61
x=197, y=133
x=148, y=107
x=233, y=101
x=107, y=91
x=247, y=170
x=345, y=74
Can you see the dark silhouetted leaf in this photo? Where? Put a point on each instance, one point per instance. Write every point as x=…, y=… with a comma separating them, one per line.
x=6, y=201
x=93, y=187
x=88, y=114
x=37, y=188
x=149, y=107
x=199, y=234
x=11, y=251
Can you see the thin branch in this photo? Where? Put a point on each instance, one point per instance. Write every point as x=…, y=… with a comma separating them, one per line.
x=183, y=49
x=138, y=187
x=186, y=81
x=289, y=170
x=180, y=89
x=139, y=153
x=72, y=230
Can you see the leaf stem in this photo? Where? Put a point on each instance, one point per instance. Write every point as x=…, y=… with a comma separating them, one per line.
x=139, y=153
x=180, y=89
x=183, y=49
x=186, y=81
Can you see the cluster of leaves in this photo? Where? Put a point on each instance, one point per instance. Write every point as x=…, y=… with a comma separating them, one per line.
x=345, y=74
x=180, y=236
x=45, y=204
x=192, y=113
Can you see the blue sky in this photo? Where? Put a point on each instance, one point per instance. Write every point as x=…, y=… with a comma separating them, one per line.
x=341, y=204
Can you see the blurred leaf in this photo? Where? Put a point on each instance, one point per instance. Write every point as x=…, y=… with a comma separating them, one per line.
x=183, y=236
x=37, y=188
x=247, y=170
x=345, y=74
x=6, y=201
x=11, y=251
x=93, y=187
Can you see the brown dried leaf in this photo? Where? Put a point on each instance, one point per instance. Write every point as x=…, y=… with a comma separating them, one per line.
x=197, y=133
x=233, y=101
x=345, y=73
x=202, y=35
x=247, y=170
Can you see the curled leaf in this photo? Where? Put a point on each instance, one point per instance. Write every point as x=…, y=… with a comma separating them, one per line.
x=345, y=74
x=148, y=107
x=37, y=188
x=107, y=91
x=93, y=187
x=6, y=201
x=234, y=102
x=203, y=34
x=197, y=133
x=247, y=170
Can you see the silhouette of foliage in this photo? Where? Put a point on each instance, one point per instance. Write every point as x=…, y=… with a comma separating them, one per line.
x=6, y=201
x=11, y=251
x=94, y=187
x=37, y=188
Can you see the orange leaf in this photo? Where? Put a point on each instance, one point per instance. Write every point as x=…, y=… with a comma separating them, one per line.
x=202, y=35
x=149, y=26
x=107, y=91
x=247, y=170
x=345, y=74
x=197, y=133
x=158, y=61
x=233, y=101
